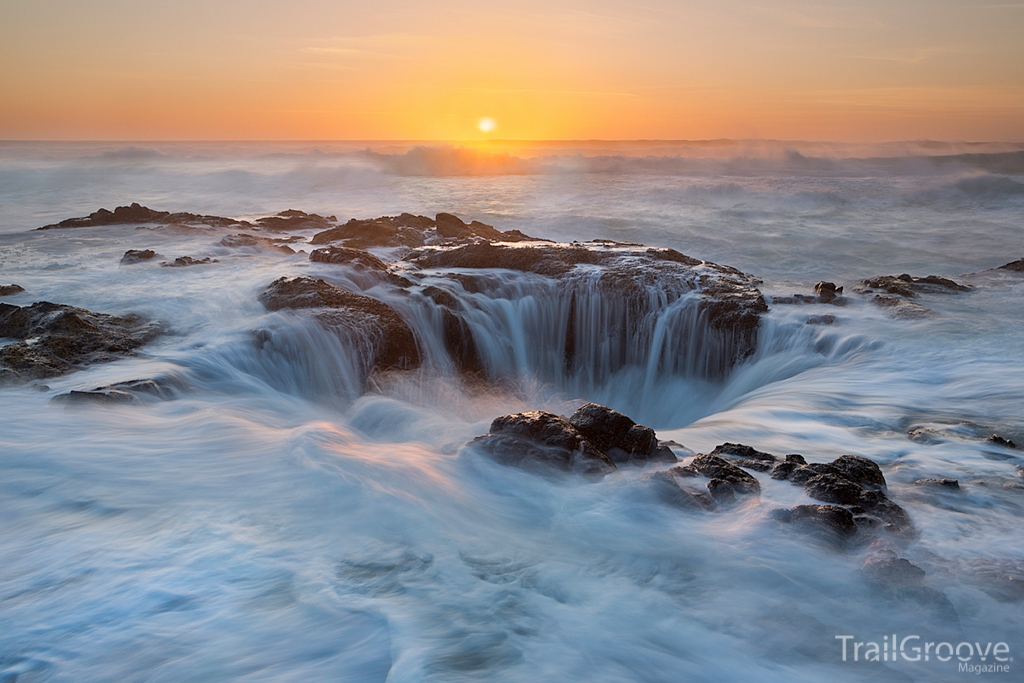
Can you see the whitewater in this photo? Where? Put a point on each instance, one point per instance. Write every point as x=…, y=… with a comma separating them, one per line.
x=281, y=517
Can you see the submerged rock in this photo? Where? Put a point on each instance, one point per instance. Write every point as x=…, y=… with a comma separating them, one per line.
x=617, y=436
x=1000, y=441
x=132, y=392
x=185, y=261
x=242, y=240
x=542, y=439
x=293, y=219
x=375, y=329
x=726, y=479
x=951, y=484
x=407, y=230
x=55, y=339
x=834, y=522
x=10, y=290
x=133, y=256
x=908, y=286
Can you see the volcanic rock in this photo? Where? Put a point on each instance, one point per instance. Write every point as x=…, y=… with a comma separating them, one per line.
x=831, y=488
x=749, y=457
x=56, y=339
x=835, y=522
x=726, y=479
x=185, y=261
x=386, y=339
x=1000, y=441
x=133, y=256
x=542, y=439
x=242, y=240
x=618, y=437
x=908, y=287
x=293, y=219
x=952, y=484
x=361, y=260
x=412, y=231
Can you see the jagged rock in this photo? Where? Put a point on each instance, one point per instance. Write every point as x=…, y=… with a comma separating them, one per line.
x=827, y=291
x=136, y=213
x=371, y=325
x=939, y=483
x=293, y=219
x=1000, y=441
x=859, y=470
x=133, y=256
x=874, y=505
x=56, y=339
x=542, y=439
x=185, y=261
x=835, y=522
x=728, y=304
x=361, y=260
x=1015, y=266
x=242, y=240
x=748, y=457
x=908, y=287
x=618, y=437
x=10, y=290
x=730, y=478
x=831, y=488
x=412, y=231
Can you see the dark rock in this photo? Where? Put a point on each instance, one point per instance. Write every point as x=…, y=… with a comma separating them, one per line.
x=924, y=436
x=10, y=290
x=133, y=256
x=831, y=488
x=1000, y=441
x=908, y=287
x=893, y=517
x=361, y=260
x=617, y=436
x=801, y=475
x=783, y=470
x=939, y=483
x=748, y=457
x=56, y=339
x=413, y=231
x=836, y=522
x=715, y=467
x=796, y=458
x=372, y=325
x=242, y=240
x=105, y=396
x=900, y=308
x=135, y=213
x=827, y=291
x=295, y=220
x=540, y=438
x=821, y=320
x=859, y=470
x=185, y=261
x=728, y=304
x=1015, y=266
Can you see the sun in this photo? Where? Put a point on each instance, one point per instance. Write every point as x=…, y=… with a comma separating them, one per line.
x=487, y=124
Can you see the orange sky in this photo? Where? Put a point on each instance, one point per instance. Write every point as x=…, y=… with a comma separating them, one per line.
x=553, y=69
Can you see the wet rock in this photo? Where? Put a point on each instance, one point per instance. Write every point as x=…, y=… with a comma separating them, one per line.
x=747, y=456
x=10, y=290
x=413, y=231
x=784, y=470
x=831, y=488
x=728, y=305
x=821, y=320
x=889, y=570
x=669, y=489
x=375, y=328
x=133, y=256
x=859, y=470
x=361, y=260
x=1000, y=441
x=827, y=291
x=132, y=392
x=908, y=287
x=1014, y=266
x=293, y=219
x=618, y=437
x=242, y=240
x=802, y=474
x=951, y=484
x=55, y=339
x=834, y=522
x=900, y=308
x=185, y=261
x=542, y=439
x=924, y=435
x=717, y=468
x=135, y=213
x=876, y=505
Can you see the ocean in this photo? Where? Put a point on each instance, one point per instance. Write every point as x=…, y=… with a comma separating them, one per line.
x=279, y=519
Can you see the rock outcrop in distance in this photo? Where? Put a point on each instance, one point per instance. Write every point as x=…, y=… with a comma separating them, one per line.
x=54, y=339
x=407, y=230
x=135, y=214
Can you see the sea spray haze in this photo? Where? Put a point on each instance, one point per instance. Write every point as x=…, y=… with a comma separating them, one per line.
x=279, y=511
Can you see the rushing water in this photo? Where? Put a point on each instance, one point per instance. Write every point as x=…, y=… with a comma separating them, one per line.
x=277, y=522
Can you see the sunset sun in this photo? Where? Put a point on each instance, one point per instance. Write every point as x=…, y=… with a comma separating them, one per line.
x=487, y=124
